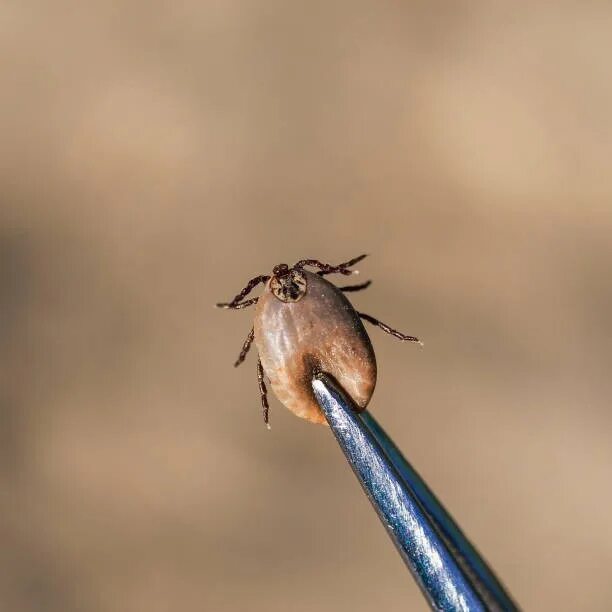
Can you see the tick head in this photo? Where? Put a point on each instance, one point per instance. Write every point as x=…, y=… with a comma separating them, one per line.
x=280, y=270
x=288, y=284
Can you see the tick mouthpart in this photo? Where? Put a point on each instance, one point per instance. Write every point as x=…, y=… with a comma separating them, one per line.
x=280, y=270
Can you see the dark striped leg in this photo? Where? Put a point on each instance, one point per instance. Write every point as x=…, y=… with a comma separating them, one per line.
x=245, y=348
x=237, y=301
x=263, y=392
x=356, y=287
x=328, y=268
x=239, y=305
x=388, y=329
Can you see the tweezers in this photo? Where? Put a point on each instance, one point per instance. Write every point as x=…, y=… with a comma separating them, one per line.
x=450, y=572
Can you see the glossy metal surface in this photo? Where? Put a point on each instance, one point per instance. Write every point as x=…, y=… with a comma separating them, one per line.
x=447, y=582
x=475, y=567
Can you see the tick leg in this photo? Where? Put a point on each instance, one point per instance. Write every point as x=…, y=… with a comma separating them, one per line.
x=245, y=347
x=356, y=287
x=352, y=262
x=263, y=393
x=239, y=305
x=388, y=329
x=328, y=268
x=236, y=302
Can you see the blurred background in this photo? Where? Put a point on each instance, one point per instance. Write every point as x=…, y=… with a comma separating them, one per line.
x=157, y=155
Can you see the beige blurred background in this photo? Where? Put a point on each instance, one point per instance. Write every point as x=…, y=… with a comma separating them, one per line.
x=155, y=156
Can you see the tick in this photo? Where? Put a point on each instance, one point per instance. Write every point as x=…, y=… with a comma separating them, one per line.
x=303, y=325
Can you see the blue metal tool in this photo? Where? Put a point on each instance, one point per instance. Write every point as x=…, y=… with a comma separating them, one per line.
x=449, y=570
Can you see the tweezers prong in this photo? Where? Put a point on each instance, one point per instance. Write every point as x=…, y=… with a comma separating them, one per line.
x=450, y=573
x=478, y=571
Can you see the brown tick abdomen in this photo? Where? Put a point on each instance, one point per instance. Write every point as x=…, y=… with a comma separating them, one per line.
x=319, y=332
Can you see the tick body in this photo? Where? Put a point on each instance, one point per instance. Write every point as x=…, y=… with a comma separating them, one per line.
x=320, y=332
x=303, y=325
